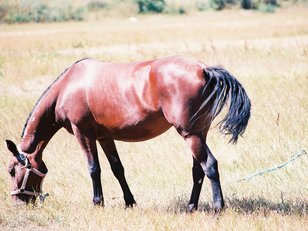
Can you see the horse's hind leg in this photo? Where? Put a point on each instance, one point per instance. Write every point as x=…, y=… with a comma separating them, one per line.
x=198, y=176
x=88, y=145
x=209, y=165
x=110, y=150
x=211, y=171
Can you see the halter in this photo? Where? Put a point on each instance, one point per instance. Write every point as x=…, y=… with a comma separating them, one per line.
x=29, y=169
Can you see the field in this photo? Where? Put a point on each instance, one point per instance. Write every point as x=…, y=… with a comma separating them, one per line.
x=268, y=53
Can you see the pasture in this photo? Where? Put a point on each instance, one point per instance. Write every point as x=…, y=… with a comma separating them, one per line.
x=268, y=53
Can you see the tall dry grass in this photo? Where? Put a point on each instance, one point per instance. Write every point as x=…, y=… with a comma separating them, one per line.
x=268, y=53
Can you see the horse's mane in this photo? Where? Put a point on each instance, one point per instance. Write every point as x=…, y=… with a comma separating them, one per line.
x=44, y=93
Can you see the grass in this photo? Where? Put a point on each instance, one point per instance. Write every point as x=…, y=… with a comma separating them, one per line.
x=269, y=57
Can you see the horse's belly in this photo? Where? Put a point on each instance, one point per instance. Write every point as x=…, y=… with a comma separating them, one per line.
x=150, y=127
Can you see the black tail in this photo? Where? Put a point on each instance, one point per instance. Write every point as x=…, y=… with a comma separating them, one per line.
x=225, y=87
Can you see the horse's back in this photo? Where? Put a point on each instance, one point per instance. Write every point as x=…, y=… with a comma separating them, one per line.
x=129, y=98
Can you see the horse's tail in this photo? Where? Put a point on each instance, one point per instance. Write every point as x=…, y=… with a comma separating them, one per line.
x=221, y=86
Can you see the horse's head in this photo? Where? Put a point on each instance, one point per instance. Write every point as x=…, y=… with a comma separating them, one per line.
x=27, y=174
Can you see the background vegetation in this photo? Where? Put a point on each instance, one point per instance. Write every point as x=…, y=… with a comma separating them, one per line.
x=268, y=53
x=56, y=11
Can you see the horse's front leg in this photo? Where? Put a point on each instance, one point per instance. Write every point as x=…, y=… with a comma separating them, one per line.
x=117, y=168
x=198, y=176
x=209, y=165
x=88, y=145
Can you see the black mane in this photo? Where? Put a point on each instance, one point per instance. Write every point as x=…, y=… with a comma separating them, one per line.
x=44, y=93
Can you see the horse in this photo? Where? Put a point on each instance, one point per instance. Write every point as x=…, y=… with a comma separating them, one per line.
x=104, y=101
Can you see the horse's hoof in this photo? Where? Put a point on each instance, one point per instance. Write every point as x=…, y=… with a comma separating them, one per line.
x=131, y=204
x=101, y=204
x=218, y=209
x=191, y=208
x=98, y=201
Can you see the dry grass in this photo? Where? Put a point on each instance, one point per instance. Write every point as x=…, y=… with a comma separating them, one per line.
x=267, y=52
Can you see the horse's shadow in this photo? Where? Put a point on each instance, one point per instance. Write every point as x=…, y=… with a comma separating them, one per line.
x=244, y=206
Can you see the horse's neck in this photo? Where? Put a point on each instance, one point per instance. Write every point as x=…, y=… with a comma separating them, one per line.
x=41, y=124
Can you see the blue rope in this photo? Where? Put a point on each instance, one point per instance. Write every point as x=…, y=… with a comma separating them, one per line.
x=260, y=173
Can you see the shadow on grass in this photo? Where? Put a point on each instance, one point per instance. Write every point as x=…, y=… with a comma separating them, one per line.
x=261, y=205
x=247, y=206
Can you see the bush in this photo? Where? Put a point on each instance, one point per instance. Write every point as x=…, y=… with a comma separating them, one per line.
x=173, y=9
x=271, y=2
x=182, y=10
x=96, y=5
x=155, y=6
x=267, y=8
x=202, y=5
x=21, y=16
x=42, y=13
x=217, y=4
x=3, y=11
x=77, y=14
x=246, y=4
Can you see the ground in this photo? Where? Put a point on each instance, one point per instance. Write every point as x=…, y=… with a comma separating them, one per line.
x=268, y=53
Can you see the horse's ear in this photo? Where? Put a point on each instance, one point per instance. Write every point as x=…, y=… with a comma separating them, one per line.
x=12, y=147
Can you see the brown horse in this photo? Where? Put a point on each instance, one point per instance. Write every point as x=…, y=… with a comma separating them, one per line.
x=101, y=101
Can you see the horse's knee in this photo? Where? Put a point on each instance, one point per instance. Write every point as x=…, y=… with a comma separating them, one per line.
x=95, y=171
x=212, y=170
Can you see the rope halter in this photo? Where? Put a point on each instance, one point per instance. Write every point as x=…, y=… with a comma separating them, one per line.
x=29, y=169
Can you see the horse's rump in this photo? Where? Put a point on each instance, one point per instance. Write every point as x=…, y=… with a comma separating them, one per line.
x=220, y=87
